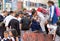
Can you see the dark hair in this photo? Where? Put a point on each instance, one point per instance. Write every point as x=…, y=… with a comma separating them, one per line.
x=20, y=12
x=33, y=9
x=11, y=12
x=6, y=32
x=33, y=12
x=51, y=2
x=24, y=9
x=26, y=14
x=14, y=32
x=4, y=11
x=17, y=14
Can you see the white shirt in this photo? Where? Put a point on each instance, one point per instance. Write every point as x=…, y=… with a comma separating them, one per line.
x=7, y=19
x=19, y=19
x=52, y=26
x=30, y=13
x=41, y=15
x=5, y=39
x=8, y=38
x=52, y=12
x=12, y=39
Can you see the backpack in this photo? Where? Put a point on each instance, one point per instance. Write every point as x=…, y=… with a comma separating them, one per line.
x=25, y=23
x=58, y=11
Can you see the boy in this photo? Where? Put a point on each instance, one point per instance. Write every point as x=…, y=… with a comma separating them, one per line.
x=6, y=38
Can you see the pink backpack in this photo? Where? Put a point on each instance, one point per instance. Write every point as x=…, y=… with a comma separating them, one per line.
x=58, y=11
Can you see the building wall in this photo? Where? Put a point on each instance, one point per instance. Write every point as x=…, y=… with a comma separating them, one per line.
x=22, y=3
x=9, y=5
x=33, y=1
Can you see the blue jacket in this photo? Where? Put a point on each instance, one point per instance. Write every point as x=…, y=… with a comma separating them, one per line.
x=54, y=18
x=35, y=26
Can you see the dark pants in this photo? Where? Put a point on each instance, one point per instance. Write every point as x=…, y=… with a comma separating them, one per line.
x=46, y=28
x=2, y=29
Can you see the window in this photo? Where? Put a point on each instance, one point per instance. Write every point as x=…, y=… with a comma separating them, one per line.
x=8, y=1
x=28, y=3
x=32, y=4
x=39, y=4
x=35, y=4
x=42, y=5
x=45, y=6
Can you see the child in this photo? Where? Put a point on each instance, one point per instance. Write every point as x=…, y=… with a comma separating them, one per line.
x=6, y=38
x=13, y=35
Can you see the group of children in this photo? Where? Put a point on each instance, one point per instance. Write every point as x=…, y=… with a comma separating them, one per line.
x=23, y=21
x=9, y=35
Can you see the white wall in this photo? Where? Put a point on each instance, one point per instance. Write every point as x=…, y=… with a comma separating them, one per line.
x=35, y=1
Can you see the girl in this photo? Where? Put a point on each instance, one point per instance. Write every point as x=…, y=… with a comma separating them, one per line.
x=52, y=17
x=13, y=35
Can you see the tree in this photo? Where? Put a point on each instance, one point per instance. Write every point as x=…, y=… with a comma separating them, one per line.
x=59, y=2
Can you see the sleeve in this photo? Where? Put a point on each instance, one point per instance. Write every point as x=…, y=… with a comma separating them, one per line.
x=21, y=21
x=6, y=21
x=12, y=39
x=52, y=11
x=2, y=40
x=1, y=18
